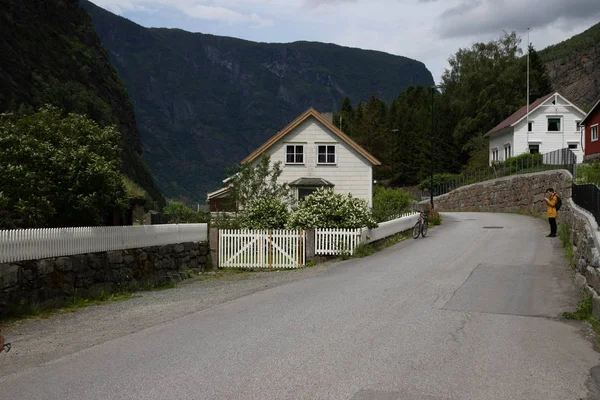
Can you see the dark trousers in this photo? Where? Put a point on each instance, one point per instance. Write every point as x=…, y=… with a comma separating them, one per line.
x=552, y=226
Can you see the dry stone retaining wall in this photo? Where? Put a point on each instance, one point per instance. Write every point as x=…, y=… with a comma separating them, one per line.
x=49, y=279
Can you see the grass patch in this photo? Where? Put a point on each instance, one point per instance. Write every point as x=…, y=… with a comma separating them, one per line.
x=564, y=232
x=435, y=220
x=364, y=250
x=584, y=313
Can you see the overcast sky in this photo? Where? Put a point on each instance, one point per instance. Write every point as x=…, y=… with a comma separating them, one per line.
x=427, y=30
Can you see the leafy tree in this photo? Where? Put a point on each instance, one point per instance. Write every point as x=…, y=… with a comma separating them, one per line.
x=326, y=209
x=256, y=181
x=182, y=214
x=539, y=83
x=58, y=171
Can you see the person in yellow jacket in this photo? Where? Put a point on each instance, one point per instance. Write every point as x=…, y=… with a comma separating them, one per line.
x=551, y=199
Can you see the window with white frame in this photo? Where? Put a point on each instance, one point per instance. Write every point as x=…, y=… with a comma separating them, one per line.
x=578, y=126
x=507, y=149
x=554, y=124
x=594, y=133
x=534, y=148
x=530, y=127
x=573, y=146
x=495, y=155
x=326, y=154
x=294, y=154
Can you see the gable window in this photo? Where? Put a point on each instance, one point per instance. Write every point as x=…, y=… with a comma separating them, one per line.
x=495, y=155
x=530, y=127
x=554, y=124
x=294, y=154
x=534, y=148
x=573, y=146
x=326, y=154
x=507, y=151
x=594, y=132
x=578, y=126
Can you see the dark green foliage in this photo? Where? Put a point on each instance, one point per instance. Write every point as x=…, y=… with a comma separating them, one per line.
x=182, y=214
x=52, y=55
x=265, y=213
x=204, y=102
x=389, y=203
x=58, y=172
x=438, y=179
x=589, y=173
x=573, y=46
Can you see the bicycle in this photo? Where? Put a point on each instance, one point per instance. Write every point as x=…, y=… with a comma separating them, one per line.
x=420, y=227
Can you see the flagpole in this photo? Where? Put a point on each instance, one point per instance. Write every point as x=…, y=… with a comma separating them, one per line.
x=527, y=126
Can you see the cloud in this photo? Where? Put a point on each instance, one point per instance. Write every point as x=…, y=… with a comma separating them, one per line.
x=476, y=17
x=198, y=9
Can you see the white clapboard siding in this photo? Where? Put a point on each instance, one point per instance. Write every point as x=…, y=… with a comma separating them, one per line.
x=331, y=242
x=31, y=244
x=389, y=228
x=240, y=248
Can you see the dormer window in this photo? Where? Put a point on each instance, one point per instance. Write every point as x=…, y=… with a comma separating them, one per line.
x=294, y=154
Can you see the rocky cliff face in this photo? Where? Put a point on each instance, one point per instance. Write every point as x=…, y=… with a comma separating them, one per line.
x=204, y=102
x=52, y=54
x=573, y=66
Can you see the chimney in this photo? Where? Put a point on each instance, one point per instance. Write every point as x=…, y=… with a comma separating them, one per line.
x=328, y=116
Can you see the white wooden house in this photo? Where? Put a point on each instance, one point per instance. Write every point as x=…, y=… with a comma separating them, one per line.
x=553, y=123
x=314, y=153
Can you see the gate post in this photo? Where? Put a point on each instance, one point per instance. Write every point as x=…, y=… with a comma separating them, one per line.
x=213, y=237
x=310, y=245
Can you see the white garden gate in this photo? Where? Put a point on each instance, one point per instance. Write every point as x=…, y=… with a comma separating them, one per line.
x=261, y=249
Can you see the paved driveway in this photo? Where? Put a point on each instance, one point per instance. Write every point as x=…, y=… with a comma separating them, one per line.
x=469, y=312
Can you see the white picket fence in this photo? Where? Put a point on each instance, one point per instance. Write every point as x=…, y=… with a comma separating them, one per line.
x=31, y=244
x=330, y=242
x=261, y=249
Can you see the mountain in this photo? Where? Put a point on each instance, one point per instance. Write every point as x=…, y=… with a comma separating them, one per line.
x=204, y=102
x=573, y=66
x=52, y=54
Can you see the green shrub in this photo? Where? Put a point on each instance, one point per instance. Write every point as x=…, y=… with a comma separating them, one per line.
x=389, y=203
x=435, y=220
x=182, y=214
x=265, y=213
x=589, y=173
x=326, y=209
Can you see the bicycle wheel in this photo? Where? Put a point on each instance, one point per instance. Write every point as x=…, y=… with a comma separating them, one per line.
x=424, y=228
x=417, y=229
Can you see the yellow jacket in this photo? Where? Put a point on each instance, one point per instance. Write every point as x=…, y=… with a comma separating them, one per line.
x=551, y=203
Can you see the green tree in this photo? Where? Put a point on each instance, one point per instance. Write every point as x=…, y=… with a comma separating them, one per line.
x=255, y=181
x=58, y=171
x=539, y=83
x=389, y=203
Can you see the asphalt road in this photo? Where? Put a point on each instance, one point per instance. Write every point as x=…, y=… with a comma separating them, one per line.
x=469, y=312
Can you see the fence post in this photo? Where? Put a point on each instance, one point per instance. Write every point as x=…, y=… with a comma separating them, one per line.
x=213, y=237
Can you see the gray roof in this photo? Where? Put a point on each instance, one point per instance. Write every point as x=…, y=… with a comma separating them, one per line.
x=311, y=182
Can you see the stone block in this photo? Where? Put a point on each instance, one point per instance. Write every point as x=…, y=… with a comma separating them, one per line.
x=129, y=259
x=142, y=256
x=580, y=281
x=190, y=246
x=164, y=250
x=203, y=250
x=179, y=248
x=79, y=261
x=593, y=280
x=114, y=257
x=64, y=264
x=45, y=266
x=97, y=260
x=202, y=260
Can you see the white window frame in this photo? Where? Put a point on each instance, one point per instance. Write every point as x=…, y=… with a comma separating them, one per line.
x=335, y=151
x=571, y=143
x=495, y=155
x=507, y=154
x=578, y=125
x=296, y=145
x=538, y=144
x=530, y=130
x=559, y=117
x=592, y=133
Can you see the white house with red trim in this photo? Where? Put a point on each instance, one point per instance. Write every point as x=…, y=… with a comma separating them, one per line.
x=313, y=154
x=553, y=123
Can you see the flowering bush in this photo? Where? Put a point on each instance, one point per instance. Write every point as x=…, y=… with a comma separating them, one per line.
x=326, y=209
x=264, y=213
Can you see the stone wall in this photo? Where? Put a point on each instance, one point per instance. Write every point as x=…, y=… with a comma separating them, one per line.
x=87, y=274
x=524, y=193
x=518, y=193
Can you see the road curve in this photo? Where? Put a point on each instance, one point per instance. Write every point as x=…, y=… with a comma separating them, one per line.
x=469, y=312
